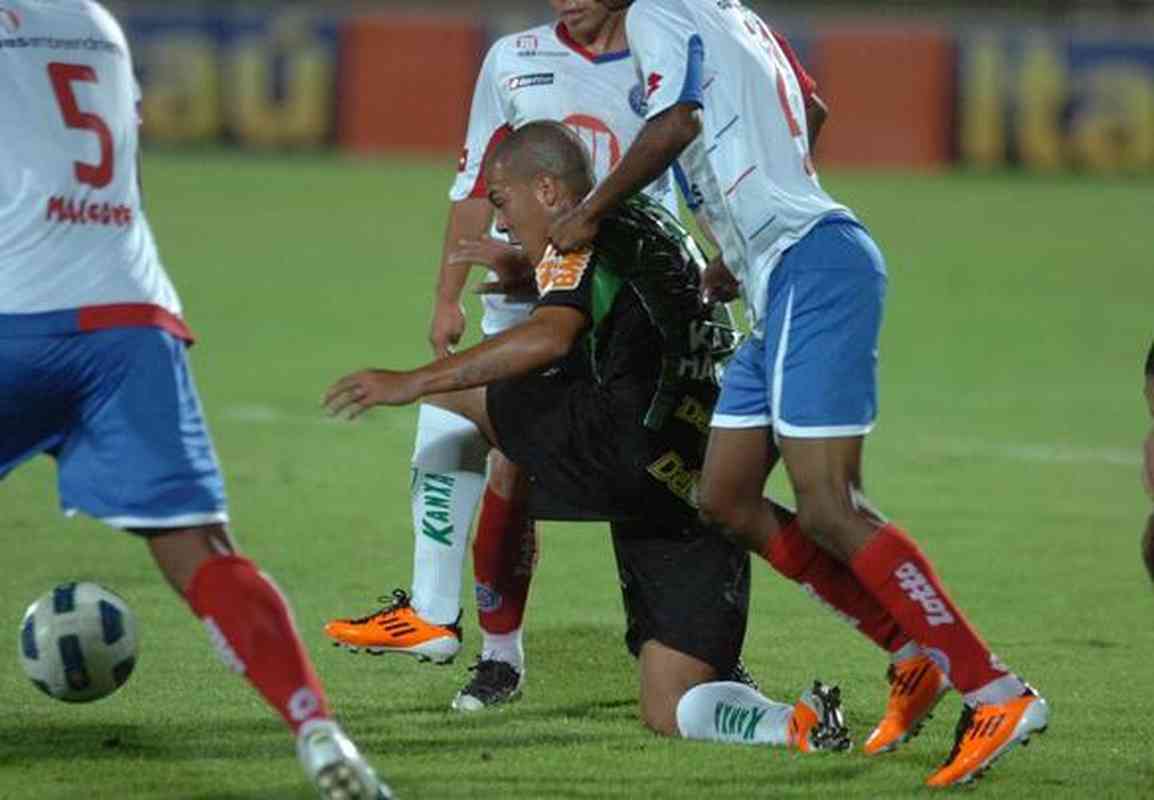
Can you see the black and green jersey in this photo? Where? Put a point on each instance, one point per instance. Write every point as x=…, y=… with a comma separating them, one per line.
x=640, y=285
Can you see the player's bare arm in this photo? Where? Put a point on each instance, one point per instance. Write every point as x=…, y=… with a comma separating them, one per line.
x=469, y=219
x=545, y=338
x=816, y=113
x=654, y=150
x=508, y=262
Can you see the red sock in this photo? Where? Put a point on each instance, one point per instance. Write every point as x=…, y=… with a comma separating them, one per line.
x=902, y=579
x=252, y=630
x=504, y=553
x=832, y=583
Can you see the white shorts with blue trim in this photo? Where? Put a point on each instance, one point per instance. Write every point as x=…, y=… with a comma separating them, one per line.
x=118, y=411
x=812, y=373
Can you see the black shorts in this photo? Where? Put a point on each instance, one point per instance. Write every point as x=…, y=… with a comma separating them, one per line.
x=687, y=589
x=587, y=445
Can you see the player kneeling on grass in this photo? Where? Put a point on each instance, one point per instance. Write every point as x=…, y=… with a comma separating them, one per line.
x=601, y=396
x=93, y=368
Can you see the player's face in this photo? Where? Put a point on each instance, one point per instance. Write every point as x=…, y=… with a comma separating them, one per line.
x=522, y=211
x=583, y=18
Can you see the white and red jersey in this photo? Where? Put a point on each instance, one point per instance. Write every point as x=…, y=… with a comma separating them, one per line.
x=73, y=235
x=750, y=171
x=543, y=74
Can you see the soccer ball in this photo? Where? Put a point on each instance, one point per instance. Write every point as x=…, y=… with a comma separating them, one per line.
x=78, y=642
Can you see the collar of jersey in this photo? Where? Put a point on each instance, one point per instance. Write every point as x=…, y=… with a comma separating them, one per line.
x=568, y=40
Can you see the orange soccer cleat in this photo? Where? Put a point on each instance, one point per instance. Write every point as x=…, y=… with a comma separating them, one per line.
x=987, y=732
x=817, y=722
x=916, y=686
x=397, y=628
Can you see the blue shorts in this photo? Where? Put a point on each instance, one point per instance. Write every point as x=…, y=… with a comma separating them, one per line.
x=118, y=411
x=812, y=372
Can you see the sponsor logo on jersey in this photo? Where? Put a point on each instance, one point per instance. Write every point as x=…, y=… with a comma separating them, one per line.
x=671, y=471
x=638, y=101
x=74, y=211
x=558, y=272
x=9, y=20
x=653, y=83
x=533, y=79
x=919, y=589
x=527, y=41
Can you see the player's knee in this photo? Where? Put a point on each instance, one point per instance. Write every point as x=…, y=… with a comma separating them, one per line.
x=660, y=717
x=720, y=510
x=505, y=477
x=827, y=517
x=180, y=553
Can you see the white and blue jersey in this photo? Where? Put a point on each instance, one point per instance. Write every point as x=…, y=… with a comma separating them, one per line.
x=812, y=280
x=92, y=341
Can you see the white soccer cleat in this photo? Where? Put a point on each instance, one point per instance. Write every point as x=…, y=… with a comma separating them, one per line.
x=335, y=766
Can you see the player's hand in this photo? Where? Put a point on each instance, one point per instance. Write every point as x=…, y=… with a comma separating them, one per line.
x=513, y=269
x=718, y=284
x=355, y=394
x=573, y=229
x=446, y=328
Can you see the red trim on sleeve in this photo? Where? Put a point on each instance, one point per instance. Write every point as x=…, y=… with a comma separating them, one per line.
x=804, y=79
x=132, y=315
x=480, y=190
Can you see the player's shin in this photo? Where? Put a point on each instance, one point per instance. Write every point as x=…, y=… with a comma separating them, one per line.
x=252, y=629
x=831, y=583
x=447, y=481
x=504, y=555
x=902, y=579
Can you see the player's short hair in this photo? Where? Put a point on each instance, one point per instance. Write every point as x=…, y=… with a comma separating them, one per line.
x=546, y=148
x=1150, y=363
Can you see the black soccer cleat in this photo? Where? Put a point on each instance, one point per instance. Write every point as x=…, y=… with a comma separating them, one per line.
x=493, y=683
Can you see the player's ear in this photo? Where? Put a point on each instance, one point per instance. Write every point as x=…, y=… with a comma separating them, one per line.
x=547, y=190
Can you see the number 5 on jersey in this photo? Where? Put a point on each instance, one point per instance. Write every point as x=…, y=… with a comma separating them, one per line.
x=62, y=77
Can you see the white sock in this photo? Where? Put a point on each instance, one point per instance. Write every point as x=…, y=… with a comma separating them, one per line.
x=506, y=647
x=448, y=479
x=999, y=690
x=725, y=711
x=907, y=650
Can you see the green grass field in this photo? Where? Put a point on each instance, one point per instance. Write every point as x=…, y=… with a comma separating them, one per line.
x=1019, y=314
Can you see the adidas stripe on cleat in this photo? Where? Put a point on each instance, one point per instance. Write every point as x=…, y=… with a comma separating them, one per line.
x=397, y=628
x=987, y=732
x=917, y=685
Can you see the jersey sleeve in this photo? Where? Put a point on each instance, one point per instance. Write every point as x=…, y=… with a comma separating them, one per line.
x=804, y=79
x=567, y=280
x=488, y=125
x=669, y=53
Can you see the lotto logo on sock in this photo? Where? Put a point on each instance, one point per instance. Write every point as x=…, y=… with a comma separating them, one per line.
x=738, y=721
x=918, y=589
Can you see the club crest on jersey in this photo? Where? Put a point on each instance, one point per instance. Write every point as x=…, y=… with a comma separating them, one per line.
x=558, y=272
x=638, y=100
x=9, y=20
x=653, y=84
x=534, y=79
